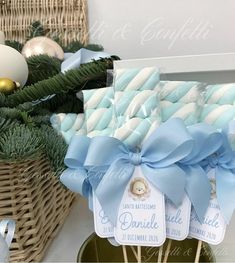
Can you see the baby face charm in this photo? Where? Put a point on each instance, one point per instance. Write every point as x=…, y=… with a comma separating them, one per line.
x=139, y=189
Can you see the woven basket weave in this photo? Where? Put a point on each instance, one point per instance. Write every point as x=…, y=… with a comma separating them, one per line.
x=66, y=18
x=32, y=196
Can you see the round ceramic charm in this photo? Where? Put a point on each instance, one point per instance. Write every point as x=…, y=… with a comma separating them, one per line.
x=42, y=45
x=139, y=189
x=13, y=65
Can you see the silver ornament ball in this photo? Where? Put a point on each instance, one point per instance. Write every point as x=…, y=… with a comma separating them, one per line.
x=42, y=45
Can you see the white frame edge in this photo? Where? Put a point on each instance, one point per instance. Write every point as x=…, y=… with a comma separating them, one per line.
x=179, y=64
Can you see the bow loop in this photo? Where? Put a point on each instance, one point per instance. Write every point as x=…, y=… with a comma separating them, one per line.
x=223, y=164
x=75, y=159
x=207, y=140
x=172, y=141
x=75, y=177
x=225, y=189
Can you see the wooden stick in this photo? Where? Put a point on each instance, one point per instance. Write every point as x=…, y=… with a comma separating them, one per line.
x=168, y=248
x=199, y=247
x=159, y=259
x=134, y=252
x=125, y=254
x=139, y=254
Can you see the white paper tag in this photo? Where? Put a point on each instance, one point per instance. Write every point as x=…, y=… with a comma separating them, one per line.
x=141, y=215
x=213, y=228
x=178, y=219
x=103, y=227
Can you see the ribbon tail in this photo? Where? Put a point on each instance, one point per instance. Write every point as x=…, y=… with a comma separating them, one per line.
x=80, y=57
x=225, y=188
x=8, y=225
x=198, y=189
x=90, y=200
x=112, y=187
x=76, y=180
x=169, y=180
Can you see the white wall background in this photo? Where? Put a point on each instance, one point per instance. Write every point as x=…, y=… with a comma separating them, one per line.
x=153, y=28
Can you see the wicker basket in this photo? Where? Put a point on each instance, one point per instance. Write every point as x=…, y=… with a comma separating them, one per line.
x=66, y=18
x=32, y=196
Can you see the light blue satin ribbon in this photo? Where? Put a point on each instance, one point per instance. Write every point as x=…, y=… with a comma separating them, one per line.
x=9, y=226
x=207, y=140
x=158, y=157
x=75, y=177
x=223, y=161
x=80, y=57
x=74, y=61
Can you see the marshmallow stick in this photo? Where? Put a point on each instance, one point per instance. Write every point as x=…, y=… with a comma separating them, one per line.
x=199, y=248
x=168, y=248
x=139, y=254
x=134, y=252
x=159, y=259
x=125, y=254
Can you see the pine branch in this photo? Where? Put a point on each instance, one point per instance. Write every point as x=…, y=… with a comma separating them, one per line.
x=36, y=30
x=42, y=67
x=62, y=83
x=7, y=124
x=15, y=114
x=55, y=147
x=2, y=99
x=74, y=46
x=18, y=143
x=14, y=44
x=70, y=105
x=94, y=47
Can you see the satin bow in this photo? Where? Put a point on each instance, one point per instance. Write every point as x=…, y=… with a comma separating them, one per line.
x=223, y=161
x=158, y=157
x=207, y=140
x=75, y=177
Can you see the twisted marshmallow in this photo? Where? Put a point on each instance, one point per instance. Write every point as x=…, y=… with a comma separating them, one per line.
x=68, y=125
x=220, y=94
x=136, y=79
x=180, y=91
x=188, y=112
x=218, y=115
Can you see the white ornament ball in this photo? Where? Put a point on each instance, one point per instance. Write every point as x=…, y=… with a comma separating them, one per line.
x=42, y=45
x=13, y=65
